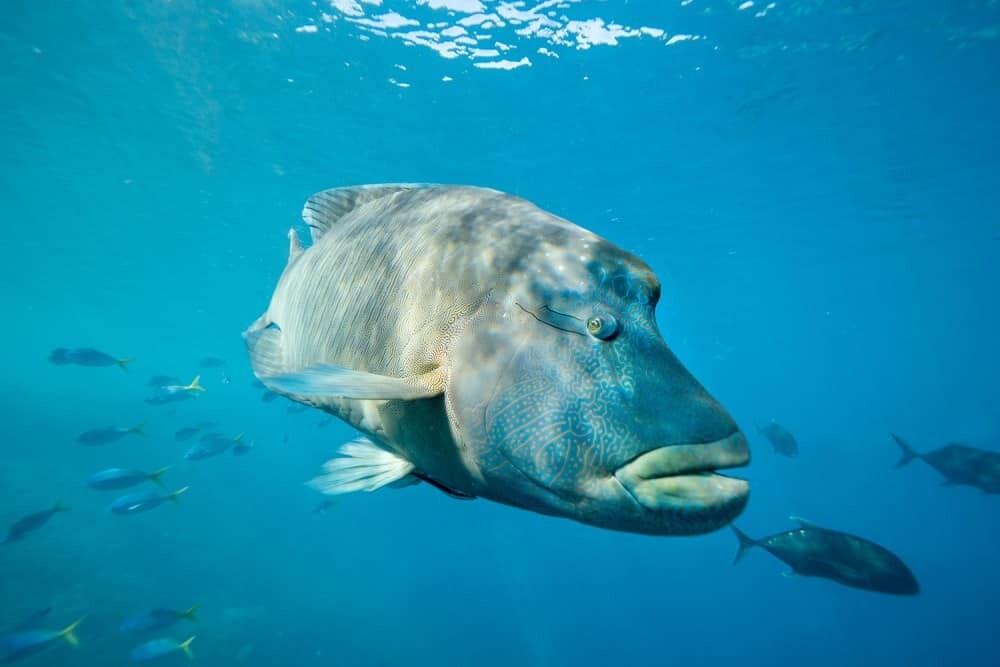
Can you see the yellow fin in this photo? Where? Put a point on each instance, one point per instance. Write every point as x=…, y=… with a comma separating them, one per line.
x=191, y=614
x=156, y=475
x=122, y=362
x=67, y=632
x=173, y=496
x=186, y=647
x=194, y=386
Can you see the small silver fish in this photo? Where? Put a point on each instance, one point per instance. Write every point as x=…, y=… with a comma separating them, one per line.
x=158, y=619
x=31, y=523
x=21, y=644
x=172, y=393
x=211, y=444
x=86, y=356
x=108, y=434
x=144, y=501
x=159, y=648
x=122, y=478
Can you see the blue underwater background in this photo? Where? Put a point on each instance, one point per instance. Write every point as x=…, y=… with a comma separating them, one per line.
x=815, y=182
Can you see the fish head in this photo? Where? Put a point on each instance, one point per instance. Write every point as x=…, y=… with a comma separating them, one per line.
x=566, y=400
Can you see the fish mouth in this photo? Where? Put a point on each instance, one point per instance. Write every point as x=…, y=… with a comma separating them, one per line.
x=683, y=479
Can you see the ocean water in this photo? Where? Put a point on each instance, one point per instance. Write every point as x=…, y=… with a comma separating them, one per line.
x=814, y=181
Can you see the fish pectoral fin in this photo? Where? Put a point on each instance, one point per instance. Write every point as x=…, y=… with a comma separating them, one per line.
x=330, y=380
x=263, y=340
x=363, y=466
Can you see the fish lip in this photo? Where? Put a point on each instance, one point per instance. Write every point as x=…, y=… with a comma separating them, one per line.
x=679, y=459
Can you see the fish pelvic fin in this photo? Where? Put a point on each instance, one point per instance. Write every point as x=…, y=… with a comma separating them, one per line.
x=194, y=386
x=68, y=634
x=185, y=647
x=746, y=543
x=364, y=466
x=177, y=494
x=156, y=475
x=908, y=453
x=192, y=613
x=122, y=363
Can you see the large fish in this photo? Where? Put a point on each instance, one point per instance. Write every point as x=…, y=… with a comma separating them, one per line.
x=960, y=464
x=847, y=559
x=494, y=350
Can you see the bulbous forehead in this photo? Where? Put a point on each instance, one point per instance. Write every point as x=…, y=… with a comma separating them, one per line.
x=590, y=268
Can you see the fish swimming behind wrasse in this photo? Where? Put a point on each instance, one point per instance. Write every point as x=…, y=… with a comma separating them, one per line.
x=173, y=393
x=189, y=432
x=780, y=438
x=32, y=522
x=143, y=501
x=158, y=619
x=86, y=356
x=123, y=478
x=959, y=464
x=212, y=444
x=491, y=349
x=108, y=434
x=21, y=644
x=847, y=559
x=160, y=648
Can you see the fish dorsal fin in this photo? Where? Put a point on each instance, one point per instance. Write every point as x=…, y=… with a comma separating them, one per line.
x=804, y=523
x=325, y=208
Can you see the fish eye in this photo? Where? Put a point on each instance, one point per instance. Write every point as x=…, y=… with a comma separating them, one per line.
x=602, y=326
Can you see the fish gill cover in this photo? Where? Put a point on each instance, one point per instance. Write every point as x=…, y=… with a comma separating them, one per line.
x=812, y=182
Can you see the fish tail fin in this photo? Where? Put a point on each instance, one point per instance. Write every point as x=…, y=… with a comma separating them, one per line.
x=122, y=362
x=185, y=646
x=155, y=476
x=745, y=544
x=138, y=429
x=192, y=613
x=59, y=507
x=194, y=386
x=238, y=440
x=176, y=494
x=908, y=453
x=68, y=634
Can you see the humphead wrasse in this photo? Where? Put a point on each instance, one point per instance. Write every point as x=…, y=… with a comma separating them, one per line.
x=494, y=350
